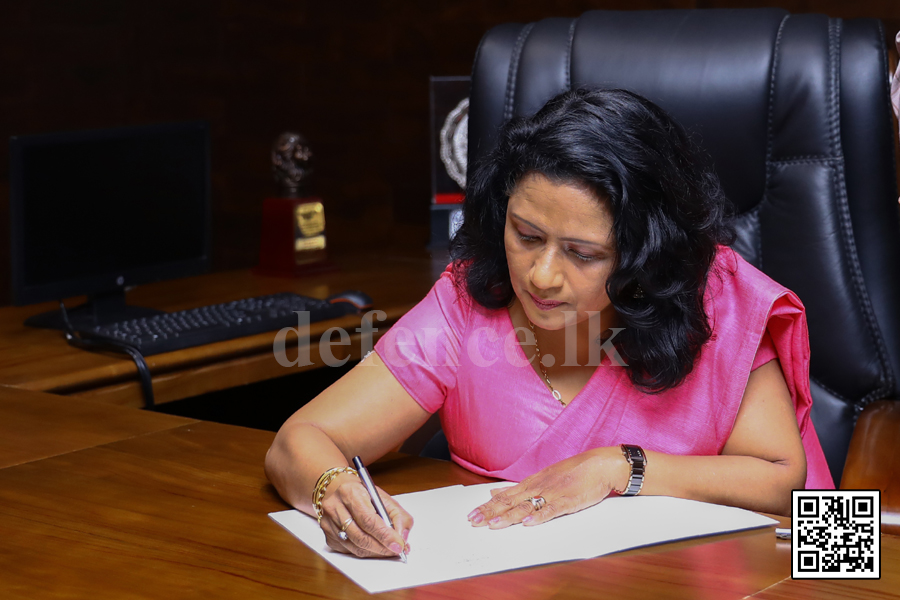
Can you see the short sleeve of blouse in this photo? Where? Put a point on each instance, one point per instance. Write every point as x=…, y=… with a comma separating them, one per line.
x=422, y=349
x=766, y=351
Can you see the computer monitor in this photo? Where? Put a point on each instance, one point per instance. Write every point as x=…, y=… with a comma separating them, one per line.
x=95, y=212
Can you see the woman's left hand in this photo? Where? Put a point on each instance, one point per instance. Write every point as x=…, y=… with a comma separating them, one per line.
x=568, y=486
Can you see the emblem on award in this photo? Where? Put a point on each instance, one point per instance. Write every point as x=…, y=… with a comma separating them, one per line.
x=449, y=149
x=293, y=238
x=455, y=142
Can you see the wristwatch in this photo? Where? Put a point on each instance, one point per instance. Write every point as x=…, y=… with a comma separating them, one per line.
x=638, y=461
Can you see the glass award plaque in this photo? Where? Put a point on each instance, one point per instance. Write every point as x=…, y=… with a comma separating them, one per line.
x=449, y=149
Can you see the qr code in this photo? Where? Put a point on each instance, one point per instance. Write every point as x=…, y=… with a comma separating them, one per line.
x=836, y=534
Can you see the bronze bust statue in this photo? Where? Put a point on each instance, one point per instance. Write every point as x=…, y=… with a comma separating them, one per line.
x=291, y=163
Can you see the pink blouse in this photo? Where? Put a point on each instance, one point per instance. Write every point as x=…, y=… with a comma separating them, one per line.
x=500, y=420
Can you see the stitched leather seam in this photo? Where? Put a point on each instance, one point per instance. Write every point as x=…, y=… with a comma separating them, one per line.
x=770, y=134
x=806, y=157
x=570, y=44
x=886, y=377
x=891, y=377
x=832, y=161
x=834, y=102
x=881, y=393
x=514, y=71
x=836, y=162
x=857, y=405
x=840, y=397
x=776, y=57
x=847, y=238
x=859, y=285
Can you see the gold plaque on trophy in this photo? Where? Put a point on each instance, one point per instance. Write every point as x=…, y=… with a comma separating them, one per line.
x=306, y=244
x=309, y=232
x=310, y=218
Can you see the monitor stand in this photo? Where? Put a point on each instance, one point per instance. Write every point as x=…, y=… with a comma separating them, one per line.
x=100, y=309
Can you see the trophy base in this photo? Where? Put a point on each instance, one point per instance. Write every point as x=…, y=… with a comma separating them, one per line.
x=292, y=242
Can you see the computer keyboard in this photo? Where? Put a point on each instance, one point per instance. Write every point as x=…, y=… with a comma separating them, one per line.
x=219, y=322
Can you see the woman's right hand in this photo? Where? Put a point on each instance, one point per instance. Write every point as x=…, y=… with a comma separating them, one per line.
x=367, y=534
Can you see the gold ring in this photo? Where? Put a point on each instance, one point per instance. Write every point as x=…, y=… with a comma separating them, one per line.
x=343, y=533
x=537, y=502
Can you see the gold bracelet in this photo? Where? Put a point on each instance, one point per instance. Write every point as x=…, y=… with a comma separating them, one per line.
x=319, y=491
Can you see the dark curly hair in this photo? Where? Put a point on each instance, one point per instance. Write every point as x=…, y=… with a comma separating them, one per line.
x=669, y=216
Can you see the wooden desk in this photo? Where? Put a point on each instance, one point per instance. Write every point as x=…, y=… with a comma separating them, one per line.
x=35, y=425
x=36, y=359
x=182, y=513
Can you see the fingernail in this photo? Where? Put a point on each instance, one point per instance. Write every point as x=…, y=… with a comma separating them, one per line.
x=494, y=521
x=478, y=519
x=407, y=549
x=528, y=519
x=395, y=548
x=405, y=534
x=472, y=514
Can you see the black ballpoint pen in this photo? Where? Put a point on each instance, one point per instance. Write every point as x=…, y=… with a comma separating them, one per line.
x=373, y=494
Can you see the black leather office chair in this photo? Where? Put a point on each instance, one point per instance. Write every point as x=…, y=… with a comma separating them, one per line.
x=795, y=111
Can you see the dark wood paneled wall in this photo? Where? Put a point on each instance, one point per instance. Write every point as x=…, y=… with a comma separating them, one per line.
x=351, y=76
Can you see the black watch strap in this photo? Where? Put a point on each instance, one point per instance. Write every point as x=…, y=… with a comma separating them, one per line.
x=638, y=461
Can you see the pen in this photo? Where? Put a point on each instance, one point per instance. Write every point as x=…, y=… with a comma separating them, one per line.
x=373, y=494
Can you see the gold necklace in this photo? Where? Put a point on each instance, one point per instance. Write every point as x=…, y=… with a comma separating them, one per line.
x=537, y=352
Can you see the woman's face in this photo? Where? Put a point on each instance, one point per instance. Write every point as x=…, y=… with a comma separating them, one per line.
x=560, y=248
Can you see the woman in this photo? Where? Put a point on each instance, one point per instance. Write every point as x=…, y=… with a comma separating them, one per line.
x=593, y=335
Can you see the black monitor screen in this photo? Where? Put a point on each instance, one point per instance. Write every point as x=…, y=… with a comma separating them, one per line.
x=93, y=211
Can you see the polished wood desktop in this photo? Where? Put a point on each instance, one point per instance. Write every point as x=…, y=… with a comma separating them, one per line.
x=164, y=508
x=34, y=425
x=41, y=360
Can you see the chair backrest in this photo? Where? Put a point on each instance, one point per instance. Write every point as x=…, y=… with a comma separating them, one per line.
x=795, y=111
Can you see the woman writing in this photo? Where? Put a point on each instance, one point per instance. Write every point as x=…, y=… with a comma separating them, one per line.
x=593, y=336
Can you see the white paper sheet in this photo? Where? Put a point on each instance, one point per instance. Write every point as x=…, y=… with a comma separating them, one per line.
x=444, y=546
